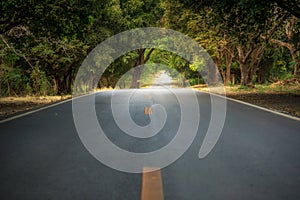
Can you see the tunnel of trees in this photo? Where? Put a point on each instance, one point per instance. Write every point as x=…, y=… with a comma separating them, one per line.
x=43, y=43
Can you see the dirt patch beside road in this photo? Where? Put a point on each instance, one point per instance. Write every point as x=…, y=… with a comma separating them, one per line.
x=282, y=97
x=10, y=106
x=285, y=103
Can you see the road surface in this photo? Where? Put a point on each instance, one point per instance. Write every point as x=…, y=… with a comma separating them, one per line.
x=257, y=155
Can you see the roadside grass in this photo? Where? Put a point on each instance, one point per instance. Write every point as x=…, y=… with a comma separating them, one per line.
x=291, y=89
x=13, y=105
x=33, y=99
x=10, y=106
x=284, y=98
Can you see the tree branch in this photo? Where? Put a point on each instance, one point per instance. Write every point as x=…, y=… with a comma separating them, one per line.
x=283, y=44
x=292, y=6
x=149, y=54
x=272, y=31
x=14, y=50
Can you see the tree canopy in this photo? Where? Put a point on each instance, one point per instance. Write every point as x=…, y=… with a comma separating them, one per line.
x=43, y=43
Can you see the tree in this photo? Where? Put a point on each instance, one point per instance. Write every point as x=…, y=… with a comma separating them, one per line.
x=143, y=57
x=290, y=39
x=291, y=6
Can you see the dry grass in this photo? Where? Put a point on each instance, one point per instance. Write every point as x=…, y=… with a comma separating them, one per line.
x=264, y=89
x=33, y=99
x=284, y=98
x=10, y=106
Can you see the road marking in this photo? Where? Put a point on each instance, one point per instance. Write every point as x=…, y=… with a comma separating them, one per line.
x=148, y=96
x=252, y=105
x=152, y=187
x=148, y=111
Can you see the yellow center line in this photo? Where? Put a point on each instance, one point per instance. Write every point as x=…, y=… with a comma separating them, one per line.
x=152, y=188
x=148, y=111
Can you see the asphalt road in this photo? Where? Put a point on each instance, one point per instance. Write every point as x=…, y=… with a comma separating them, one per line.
x=257, y=155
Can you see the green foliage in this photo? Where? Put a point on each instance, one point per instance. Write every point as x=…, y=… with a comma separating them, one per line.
x=12, y=80
x=43, y=43
x=243, y=87
x=39, y=82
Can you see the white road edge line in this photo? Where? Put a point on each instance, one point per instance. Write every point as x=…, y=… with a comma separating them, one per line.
x=44, y=108
x=255, y=106
x=231, y=99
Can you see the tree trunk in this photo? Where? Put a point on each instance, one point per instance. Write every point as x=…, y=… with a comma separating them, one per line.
x=296, y=60
x=223, y=74
x=213, y=77
x=294, y=53
x=213, y=71
x=228, y=60
x=232, y=79
x=244, y=74
x=138, y=69
x=137, y=72
x=256, y=57
x=139, y=66
x=1, y=76
x=8, y=88
x=290, y=44
x=242, y=59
